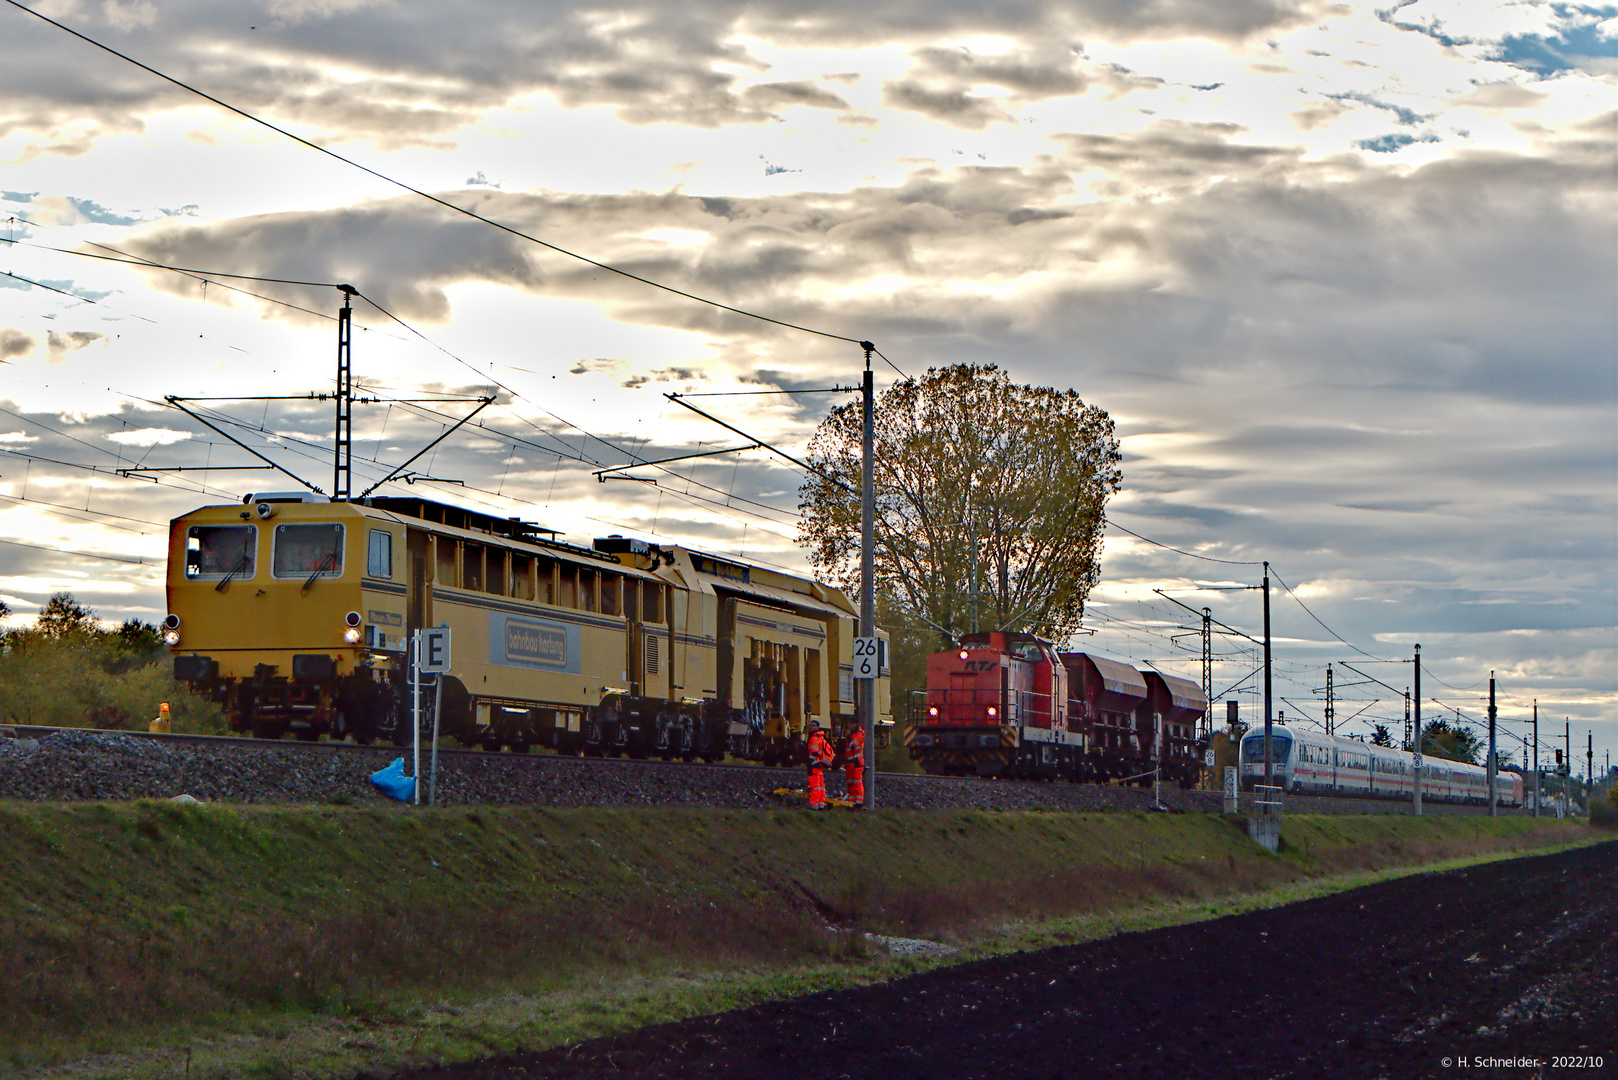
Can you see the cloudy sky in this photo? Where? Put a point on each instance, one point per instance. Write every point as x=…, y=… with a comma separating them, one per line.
x=1345, y=276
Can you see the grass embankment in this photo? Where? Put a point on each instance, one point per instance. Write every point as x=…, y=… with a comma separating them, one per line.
x=312, y=936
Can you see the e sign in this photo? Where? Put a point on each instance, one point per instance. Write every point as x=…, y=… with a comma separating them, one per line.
x=432, y=656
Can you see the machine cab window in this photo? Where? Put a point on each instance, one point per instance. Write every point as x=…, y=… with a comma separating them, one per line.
x=218, y=551
x=379, y=557
x=308, y=550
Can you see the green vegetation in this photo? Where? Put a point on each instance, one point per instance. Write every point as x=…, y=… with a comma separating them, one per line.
x=309, y=940
x=66, y=671
x=1604, y=810
x=989, y=502
x=1458, y=743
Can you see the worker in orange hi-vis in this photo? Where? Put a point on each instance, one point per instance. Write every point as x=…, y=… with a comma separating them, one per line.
x=820, y=756
x=854, y=766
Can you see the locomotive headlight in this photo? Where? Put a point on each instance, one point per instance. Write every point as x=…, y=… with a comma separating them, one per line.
x=172, y=622
x=171, y=638
x=963, y=654
x=352, y=635
x=932, y=712
x=993, y=712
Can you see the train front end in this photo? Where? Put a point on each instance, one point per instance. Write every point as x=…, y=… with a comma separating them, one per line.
x=289, y=613
x=960, y=728
x=994, y=706
x=1281, y=758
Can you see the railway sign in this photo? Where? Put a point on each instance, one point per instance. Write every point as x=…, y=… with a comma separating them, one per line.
x=865, y=658
x=432, y=655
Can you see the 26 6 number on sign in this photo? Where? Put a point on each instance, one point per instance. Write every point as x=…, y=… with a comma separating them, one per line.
x=866, y=658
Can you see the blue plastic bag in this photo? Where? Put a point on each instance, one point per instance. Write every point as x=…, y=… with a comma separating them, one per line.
x=392, y=782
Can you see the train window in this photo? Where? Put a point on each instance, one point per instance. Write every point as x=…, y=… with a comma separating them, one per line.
x=652, y=593
x=379, y=556
x=631, y=598
x=545, y=579
x=812, y=679
x=587, y=590
x=497, y=573
x=472, y=567
x=305, y=550
x=522, y=576
x=1253, y=749
x=569, y=596
x=218, y=551
x=609, y=594
x=448, y=558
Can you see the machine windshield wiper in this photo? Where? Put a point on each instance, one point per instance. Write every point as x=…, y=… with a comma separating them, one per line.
x=325, y=564
x=228, y=578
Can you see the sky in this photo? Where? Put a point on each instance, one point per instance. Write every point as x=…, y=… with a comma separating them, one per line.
x=1345, y=276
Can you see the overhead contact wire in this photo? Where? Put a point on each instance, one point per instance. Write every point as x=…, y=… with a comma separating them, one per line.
x=422, y=194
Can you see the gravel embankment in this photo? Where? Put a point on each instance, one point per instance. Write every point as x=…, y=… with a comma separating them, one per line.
x=86, y=765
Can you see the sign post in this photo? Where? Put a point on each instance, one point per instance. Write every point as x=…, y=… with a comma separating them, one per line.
x=432, y=658
x=867, y=666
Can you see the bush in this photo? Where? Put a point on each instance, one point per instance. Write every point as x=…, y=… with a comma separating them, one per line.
x=1605, y=811
x=95, y=680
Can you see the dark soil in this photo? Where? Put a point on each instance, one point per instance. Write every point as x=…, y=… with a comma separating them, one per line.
x=1420, y=977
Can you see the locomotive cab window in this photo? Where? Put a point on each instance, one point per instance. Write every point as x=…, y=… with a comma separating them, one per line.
x=379, y=558
x=217, y=551
x=308, y=550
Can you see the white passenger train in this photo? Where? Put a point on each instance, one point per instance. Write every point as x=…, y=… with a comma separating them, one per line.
x=1313, y=763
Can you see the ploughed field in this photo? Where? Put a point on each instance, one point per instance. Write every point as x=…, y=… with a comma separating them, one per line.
x=1468, y=973
x=75, y=765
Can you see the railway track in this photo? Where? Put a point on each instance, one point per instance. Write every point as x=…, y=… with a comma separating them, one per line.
x=243, y=742
x=44, y=763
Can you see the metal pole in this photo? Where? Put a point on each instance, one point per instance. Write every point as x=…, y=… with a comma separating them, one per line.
x=1415, y=777
x=1494, y=807
x=866, y=705
x=1207, y=673
x=415, y=714
x=1269, y=765
x=1567, y=781
x=1536, y=757
x=438, y=701
x=1331, y=711
x=343, y=467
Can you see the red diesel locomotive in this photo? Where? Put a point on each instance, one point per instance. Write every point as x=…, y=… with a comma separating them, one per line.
x=1009, y=704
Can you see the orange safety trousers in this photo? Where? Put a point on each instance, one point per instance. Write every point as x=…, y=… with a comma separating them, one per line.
x=817, y=787
x=855, y=775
